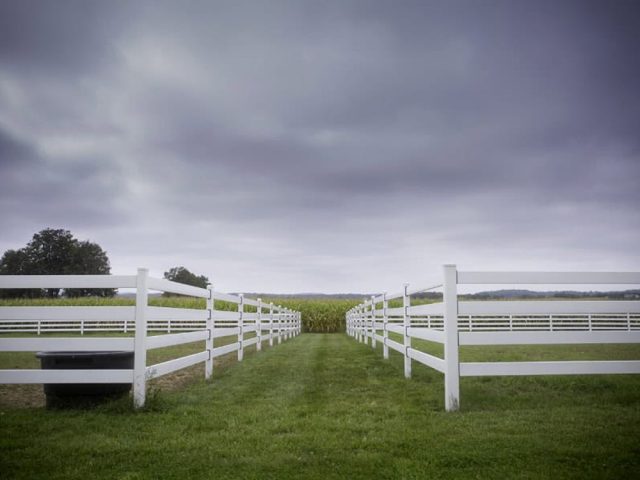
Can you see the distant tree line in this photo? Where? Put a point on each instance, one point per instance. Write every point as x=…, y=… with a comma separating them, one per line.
x=56, y=252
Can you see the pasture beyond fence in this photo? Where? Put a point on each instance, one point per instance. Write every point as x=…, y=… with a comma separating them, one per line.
x=456, y=323
x=253, y=323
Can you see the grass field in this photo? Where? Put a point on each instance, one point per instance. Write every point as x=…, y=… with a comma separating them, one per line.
x=325, y=406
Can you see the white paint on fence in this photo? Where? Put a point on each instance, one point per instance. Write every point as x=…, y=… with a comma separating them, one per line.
x=140, y=348
x=197, y=325
x=453, y=323
x=208, y=368
x=452, y=369
x=406, y=323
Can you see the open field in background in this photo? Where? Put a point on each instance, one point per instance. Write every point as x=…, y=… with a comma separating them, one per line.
x=325, y=406
x=156, y=301
x=318, y=315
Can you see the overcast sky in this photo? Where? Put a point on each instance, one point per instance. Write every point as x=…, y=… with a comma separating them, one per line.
x=325, y=146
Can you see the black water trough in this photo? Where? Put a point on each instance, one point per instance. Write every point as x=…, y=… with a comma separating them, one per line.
x=68, y=394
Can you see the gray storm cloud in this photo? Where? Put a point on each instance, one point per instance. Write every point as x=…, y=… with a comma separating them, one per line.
x=324, y=146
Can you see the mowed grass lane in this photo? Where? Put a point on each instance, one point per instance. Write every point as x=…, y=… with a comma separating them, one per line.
x=325, y=406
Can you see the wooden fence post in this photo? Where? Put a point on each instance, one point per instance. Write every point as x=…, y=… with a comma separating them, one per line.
x=140, y=340
x=354, y=324
x=347, y=319
x=271, y=324
x=241, y=328
x=284, y=324
x=208, y=368
x=259, y=326
x=406, y=324
x=385, y=322
x=365, y=322
x=347, y=323
x=452, y=366
x=373, y=322
x=287, y=324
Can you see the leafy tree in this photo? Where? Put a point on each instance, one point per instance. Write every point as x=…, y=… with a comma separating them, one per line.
x=182, y=275
x=51, y=252
x=55, y=252
x=90, y=258
x=14, y=262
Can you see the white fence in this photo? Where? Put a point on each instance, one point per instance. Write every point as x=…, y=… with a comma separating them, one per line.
x=267, y=323
x=453, y=323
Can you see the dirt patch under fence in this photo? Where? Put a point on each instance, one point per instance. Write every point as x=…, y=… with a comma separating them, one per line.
x=32, y=396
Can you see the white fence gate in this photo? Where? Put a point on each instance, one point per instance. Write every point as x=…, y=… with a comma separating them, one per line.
x=269, y=323
x=453, y=323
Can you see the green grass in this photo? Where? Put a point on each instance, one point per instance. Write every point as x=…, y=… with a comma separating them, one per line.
x=324, y=406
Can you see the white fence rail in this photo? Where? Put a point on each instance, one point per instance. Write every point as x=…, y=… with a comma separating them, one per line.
x=269, y=323
x=453, y=322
